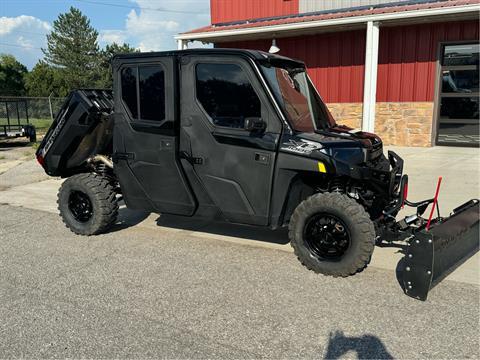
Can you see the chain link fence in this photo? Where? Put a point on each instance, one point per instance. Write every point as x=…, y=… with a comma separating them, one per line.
x=38, y=111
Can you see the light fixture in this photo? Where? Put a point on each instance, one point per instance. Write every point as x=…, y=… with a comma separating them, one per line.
x=274, y=48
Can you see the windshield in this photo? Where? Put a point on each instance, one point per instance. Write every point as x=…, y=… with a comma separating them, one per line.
x=298, y=98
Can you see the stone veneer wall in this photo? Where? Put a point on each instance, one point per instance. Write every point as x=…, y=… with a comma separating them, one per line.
x=402, y=124
x=349, y=114
x=405, y=124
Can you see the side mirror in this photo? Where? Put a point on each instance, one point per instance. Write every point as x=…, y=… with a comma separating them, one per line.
x=255, y=124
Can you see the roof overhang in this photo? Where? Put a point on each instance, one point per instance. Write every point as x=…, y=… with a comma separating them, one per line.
x=454, y=13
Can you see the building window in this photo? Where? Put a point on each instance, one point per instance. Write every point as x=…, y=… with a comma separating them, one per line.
x=458, y=122
x=226, y=94
x=143, y=92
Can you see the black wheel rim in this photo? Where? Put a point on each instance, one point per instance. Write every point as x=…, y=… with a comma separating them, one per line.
x=326, y=236
x=80, y=206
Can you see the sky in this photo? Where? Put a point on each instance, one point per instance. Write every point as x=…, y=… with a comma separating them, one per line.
x=145, y=24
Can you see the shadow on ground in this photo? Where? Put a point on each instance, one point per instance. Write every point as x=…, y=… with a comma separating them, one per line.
x=5, y=145
x=128, y=218
x=402, y=249
x=246, y=232
x=366, y=346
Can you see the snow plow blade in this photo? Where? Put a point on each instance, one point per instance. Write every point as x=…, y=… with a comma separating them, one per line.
x=435, y=253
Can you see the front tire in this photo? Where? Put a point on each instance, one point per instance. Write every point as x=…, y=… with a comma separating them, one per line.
x=332, y=234
x=87, y=204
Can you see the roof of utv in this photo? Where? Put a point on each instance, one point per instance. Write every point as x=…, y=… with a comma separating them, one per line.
x=253, y=54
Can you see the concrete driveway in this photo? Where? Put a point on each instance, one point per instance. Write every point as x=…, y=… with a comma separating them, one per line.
x=174, y=287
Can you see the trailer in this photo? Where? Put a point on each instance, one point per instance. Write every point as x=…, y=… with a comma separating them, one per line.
x=14, y=120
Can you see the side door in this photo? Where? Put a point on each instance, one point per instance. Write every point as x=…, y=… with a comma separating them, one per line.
x=234, y=165
x=145, y=137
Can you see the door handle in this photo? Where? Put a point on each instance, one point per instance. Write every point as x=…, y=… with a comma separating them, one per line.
x=122, y=156
x=192, y=160
x=166, y=144
x=262, y=158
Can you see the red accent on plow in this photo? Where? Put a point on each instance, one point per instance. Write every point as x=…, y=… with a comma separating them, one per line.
x=405, y=194
x=435, y=200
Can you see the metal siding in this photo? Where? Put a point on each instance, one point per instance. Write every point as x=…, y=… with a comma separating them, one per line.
x=408, y=55
x=406, y=64
x=335, y=61
x=235, y=10
x=306, y=6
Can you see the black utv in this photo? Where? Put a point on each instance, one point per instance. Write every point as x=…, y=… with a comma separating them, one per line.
x=236, y=135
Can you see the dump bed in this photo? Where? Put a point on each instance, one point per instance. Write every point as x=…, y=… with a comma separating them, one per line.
x=82, y=128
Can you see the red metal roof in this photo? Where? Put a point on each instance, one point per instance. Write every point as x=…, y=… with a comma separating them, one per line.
x=333, y=15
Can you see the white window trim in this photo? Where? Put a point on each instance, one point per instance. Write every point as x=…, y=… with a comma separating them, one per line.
x=370, y=82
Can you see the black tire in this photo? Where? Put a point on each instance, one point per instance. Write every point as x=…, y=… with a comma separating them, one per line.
x=87, y=204
x=33, y=136
x=352, y=218
x=31, y=133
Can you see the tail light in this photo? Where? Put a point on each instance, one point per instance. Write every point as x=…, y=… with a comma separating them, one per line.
x=41, y=160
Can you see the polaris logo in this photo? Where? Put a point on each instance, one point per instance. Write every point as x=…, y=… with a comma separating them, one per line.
x=55, y=132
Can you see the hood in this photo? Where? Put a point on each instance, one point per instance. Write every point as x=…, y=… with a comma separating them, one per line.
x=343, y=136
x=339, y=142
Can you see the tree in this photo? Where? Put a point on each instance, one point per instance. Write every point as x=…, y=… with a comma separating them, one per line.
x=72, y=46
x=45, y=80
x=106, y=57
x=12, y=75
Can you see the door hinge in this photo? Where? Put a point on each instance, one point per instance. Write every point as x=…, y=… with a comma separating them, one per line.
x=192, y=160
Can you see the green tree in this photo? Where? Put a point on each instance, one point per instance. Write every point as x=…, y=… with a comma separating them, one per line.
x=12, y=75
x=72, y=46
x=46, y=80
x=106, y=57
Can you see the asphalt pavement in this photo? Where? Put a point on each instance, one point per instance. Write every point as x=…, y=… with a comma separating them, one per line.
x=142, y=292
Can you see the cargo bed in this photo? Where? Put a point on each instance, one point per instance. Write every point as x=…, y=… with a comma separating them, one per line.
x=82, y=128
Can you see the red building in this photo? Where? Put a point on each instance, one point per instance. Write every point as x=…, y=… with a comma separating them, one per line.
x=407, y=70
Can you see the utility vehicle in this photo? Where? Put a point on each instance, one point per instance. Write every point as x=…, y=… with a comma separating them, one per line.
x=241, y=136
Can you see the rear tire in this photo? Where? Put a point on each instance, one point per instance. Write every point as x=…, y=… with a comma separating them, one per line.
x=87, y=204
x=332, y=234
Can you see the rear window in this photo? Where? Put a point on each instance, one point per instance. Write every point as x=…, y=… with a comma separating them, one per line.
x=143, y=92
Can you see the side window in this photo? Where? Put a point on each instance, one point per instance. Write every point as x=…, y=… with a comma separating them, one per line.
x=152, y=93
x=143, y=92
x=226, y=94
x=129, y=90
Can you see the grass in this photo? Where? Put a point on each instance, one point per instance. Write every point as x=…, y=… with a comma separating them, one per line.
x=40, y=124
